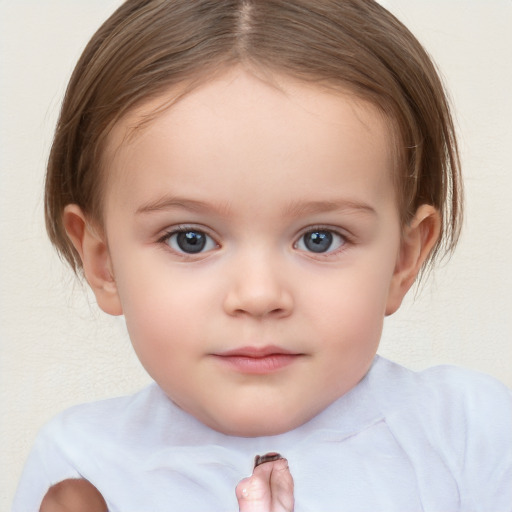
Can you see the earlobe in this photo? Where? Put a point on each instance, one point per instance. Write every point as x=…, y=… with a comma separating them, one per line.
x=93, y=250
x=418, y=240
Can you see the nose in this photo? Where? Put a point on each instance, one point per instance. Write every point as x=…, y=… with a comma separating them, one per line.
x=258, y=288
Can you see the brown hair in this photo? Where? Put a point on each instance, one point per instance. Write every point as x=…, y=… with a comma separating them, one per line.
x=147, y=46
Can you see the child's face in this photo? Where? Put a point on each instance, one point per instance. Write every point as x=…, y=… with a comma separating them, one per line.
x=254, y=238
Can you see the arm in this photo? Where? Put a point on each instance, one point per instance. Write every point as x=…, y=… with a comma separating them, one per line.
x=73, y=495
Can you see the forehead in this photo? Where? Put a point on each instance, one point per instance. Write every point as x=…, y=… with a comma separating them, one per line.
x=240, y=123
x=246, y=87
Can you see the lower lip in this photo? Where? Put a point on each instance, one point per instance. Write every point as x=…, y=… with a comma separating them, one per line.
x=259, y=365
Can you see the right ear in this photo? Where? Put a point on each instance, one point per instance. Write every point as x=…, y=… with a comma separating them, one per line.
x=97, y=265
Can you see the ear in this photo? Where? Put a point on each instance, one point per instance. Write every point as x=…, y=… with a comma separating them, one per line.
x=418, y=239
x=93, y=250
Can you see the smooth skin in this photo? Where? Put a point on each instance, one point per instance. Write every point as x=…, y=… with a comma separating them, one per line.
x=253, y=214
x=254, y=169
x=73, y=495
x=269, y=488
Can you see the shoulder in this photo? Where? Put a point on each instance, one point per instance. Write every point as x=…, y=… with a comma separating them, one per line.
x=76, y=442
x=473, y=410
x=464, y=389
x=103, y=418
x=136, y=424
x=85, y=435
x=95, y=441
x=470, y=400
x=453, y=407
x=457, y=389
x=463, y=417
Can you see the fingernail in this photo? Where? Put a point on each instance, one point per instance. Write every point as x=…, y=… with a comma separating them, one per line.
x=268, y=457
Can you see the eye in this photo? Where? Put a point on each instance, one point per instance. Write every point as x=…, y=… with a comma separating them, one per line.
x=190, y=241
x=320, y=241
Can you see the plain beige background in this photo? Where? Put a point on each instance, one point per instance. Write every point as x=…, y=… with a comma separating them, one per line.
x=57, y=349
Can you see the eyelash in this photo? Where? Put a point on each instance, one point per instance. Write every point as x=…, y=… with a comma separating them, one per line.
x=342, y=239
x=175, y=232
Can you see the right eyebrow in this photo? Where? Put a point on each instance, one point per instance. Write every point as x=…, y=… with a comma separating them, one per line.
x=174, y=202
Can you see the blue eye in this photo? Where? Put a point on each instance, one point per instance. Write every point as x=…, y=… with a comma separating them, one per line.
x=190, y=241
x=320, y=241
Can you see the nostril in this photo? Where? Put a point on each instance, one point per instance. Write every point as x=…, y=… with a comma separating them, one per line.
x=276, y=312
x=250, y=303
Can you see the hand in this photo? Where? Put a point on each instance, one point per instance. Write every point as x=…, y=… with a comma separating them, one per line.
x=73, y=495
x=269, y=489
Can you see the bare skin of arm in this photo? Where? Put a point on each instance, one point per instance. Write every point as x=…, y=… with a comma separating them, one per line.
x=75, y=495
x=268, y=489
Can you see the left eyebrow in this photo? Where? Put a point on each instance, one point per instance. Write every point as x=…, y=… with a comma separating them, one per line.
x=344, y=206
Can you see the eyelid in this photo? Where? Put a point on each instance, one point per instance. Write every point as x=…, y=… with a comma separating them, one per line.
x=184, y=228
x=347, y=239
x=343, y=232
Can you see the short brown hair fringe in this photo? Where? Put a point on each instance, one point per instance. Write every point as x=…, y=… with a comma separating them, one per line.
x=148, y=46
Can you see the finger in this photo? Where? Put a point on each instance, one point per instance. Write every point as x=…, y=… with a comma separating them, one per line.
x=281, y=487
x=253, y=493
x=268, y=457
x=269, y=489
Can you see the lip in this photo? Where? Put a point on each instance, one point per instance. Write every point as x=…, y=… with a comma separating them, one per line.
x=258, y=360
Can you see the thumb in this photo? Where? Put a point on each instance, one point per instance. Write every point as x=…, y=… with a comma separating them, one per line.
x=253, y=493
x=269, y=489
x=281, y=487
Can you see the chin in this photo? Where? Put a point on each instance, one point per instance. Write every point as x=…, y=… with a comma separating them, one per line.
x=261, y=426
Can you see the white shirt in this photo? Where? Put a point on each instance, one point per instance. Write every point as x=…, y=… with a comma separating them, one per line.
x=435, y=441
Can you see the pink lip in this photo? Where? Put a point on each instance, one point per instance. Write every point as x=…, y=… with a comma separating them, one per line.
x=258, y=360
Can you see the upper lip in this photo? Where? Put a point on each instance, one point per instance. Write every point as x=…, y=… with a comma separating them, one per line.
x=256, y=352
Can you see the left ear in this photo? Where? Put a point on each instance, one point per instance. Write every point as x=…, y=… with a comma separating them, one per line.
x=418, y=239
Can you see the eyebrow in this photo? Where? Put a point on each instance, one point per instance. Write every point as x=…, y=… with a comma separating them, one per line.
x=341, y=205
x=297, y=208
x=172, y=202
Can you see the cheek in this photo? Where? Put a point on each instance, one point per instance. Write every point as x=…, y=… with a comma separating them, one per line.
x=357, y=293
x=166, y=337
x=349, y=313
x=356, y=322
x=161, y=312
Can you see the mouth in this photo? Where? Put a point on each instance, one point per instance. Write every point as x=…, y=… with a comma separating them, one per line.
x=258, y=360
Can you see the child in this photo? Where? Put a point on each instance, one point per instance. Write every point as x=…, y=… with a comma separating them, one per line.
x=254, y=185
